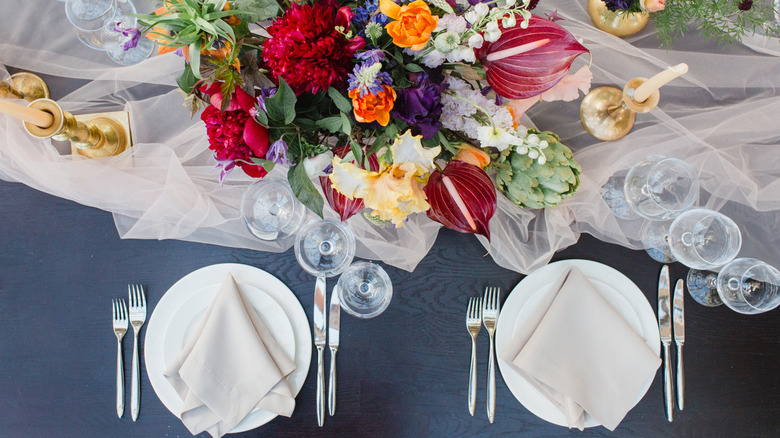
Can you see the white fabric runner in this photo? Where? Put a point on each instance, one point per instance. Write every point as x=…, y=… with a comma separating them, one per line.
x=721, y=117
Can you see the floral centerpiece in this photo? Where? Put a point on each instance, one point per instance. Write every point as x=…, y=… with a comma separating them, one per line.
x=392, y=108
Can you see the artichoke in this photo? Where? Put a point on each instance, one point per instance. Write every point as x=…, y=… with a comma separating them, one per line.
x=530, y=184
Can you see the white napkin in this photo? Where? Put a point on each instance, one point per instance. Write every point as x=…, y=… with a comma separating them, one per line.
x=230, y=365
x=581, y=354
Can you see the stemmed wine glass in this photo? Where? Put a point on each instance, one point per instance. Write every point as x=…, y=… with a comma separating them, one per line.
x=658, y=188
x=270, y=210
x=96, y=21
x=745, y=285
x=365, y=290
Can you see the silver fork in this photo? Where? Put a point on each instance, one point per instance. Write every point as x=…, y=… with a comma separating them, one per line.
x=473, y=324
x=489, y=318
x=120, y=328
x=137, y=318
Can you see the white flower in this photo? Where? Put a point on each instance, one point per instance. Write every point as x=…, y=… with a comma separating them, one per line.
x=476, y=41
x=481, y=9
x=533, y=154
x=543, y=145
x=493, y=36
x=510, y=3
x=446, y=42
x=463, y=3
x=492, y=26
x=467, y=54
x=496, y=137
x=452, y=23
x=510, y=21
x=315, y=165
x=471, y=16
x=433, y=59
x=532, y=139
x=542, y=159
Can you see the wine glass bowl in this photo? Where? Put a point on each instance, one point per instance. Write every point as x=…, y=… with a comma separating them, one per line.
x=661, y=188
x=704, y=239
x=749, y=286
x=325, y=248
x=365, y=290
x=270, y=210
x=90, y=15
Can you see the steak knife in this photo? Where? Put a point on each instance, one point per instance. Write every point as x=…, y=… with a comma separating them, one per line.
x=319, y=342
x=334, y=320
x=665, y=327
x=678, y=315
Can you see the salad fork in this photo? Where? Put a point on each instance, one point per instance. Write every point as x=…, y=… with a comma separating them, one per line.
x=137, y=318
x=473, y=324
x=120, y=328
x=489, y=318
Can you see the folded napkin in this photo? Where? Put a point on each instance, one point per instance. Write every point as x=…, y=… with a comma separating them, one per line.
x=230, y=366
x=581, y=354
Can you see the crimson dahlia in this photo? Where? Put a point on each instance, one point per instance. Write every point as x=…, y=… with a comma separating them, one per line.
x=307, y=51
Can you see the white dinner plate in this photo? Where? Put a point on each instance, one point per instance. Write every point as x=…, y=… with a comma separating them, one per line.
x=617, y=289
x=179, y=311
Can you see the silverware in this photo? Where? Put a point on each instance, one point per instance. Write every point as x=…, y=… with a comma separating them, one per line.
x=137, y=318
x=665, y=327
x=678, y=315
x=334, y=315
x=489, y=318
x=120, y=328
x=473, y=324
x=319, y=342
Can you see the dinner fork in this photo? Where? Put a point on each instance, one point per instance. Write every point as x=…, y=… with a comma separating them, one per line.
x=120, y=328
x=473, y=324
x=137, y=318
x=489, y=318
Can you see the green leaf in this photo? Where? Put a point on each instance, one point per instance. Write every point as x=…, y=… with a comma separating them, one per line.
x=294, y=148
x=304, y=190
x=332, y=124
x=346, y=125
x=341, y=102
x=379, y=142
x=391, y=132
x=444, y=142
x=255, y=10
x=186, y=81
x=414, y=68
x=306, y=124
x=195, y=59
x=357, y=152
x=281, y=107
x=262, y=117
x=267, y=165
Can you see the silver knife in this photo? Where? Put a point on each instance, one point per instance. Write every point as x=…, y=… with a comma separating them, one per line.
x=678, y=315
x=319, y=342
x=665, y=327
x=334, y=319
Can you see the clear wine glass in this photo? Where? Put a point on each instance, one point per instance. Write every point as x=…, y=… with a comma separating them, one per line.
x=325, y=248
x=657, y=189
x=365, y=290
x=270, y=210
x=749, y=286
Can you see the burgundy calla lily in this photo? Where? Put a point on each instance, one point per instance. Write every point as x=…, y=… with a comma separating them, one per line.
x=521, y=64
x=462, y=198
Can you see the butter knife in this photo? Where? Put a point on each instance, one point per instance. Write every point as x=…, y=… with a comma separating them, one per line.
x=665, y=327
x=334, y=320
x=319, y=342
x=678, y=315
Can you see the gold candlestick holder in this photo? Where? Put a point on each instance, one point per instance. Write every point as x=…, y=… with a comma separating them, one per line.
x=26, y=86
x=90, y=135
x=608, y=113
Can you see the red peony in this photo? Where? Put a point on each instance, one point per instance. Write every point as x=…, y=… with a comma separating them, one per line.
x=306, y=49
x=233, y=133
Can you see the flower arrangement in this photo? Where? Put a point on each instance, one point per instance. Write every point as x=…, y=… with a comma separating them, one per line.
x=393, y=108
x=724, y=20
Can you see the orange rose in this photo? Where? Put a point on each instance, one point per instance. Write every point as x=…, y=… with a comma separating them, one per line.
x=472, y=155
x=413, y=23
x=373, y=107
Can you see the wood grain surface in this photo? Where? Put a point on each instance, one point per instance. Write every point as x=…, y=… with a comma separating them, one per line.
x=402, y=374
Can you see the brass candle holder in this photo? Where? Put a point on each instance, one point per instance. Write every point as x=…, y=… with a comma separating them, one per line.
x=26, y=86
x=608, y=113
x=90, y=135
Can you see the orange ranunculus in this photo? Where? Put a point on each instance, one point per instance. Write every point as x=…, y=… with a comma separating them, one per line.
x=472, y=155
x=413, y=23
x=373, y=107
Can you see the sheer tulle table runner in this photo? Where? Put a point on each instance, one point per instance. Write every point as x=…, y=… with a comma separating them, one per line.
x=720, y=117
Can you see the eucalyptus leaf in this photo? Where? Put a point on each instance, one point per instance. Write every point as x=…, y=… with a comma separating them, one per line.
x=304, y=190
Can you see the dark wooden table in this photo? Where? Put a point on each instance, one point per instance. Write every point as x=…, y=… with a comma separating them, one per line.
x=402, y=374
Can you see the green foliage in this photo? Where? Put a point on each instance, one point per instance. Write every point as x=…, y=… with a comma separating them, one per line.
x=720, y=20
x=530, y=184
x=255, y=10
x=304, y=190
x=281, y=107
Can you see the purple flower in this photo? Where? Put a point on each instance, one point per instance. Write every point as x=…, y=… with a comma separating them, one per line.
x=132, y=32
x=264, y=94
x=368, y=77
x=375, y=55
x=553, y=16
x=420, y=105
x=618, y=5
x=224, y=165
x=278, y=153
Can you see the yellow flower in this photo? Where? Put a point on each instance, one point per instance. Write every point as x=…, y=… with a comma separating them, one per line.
x=413, y=23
